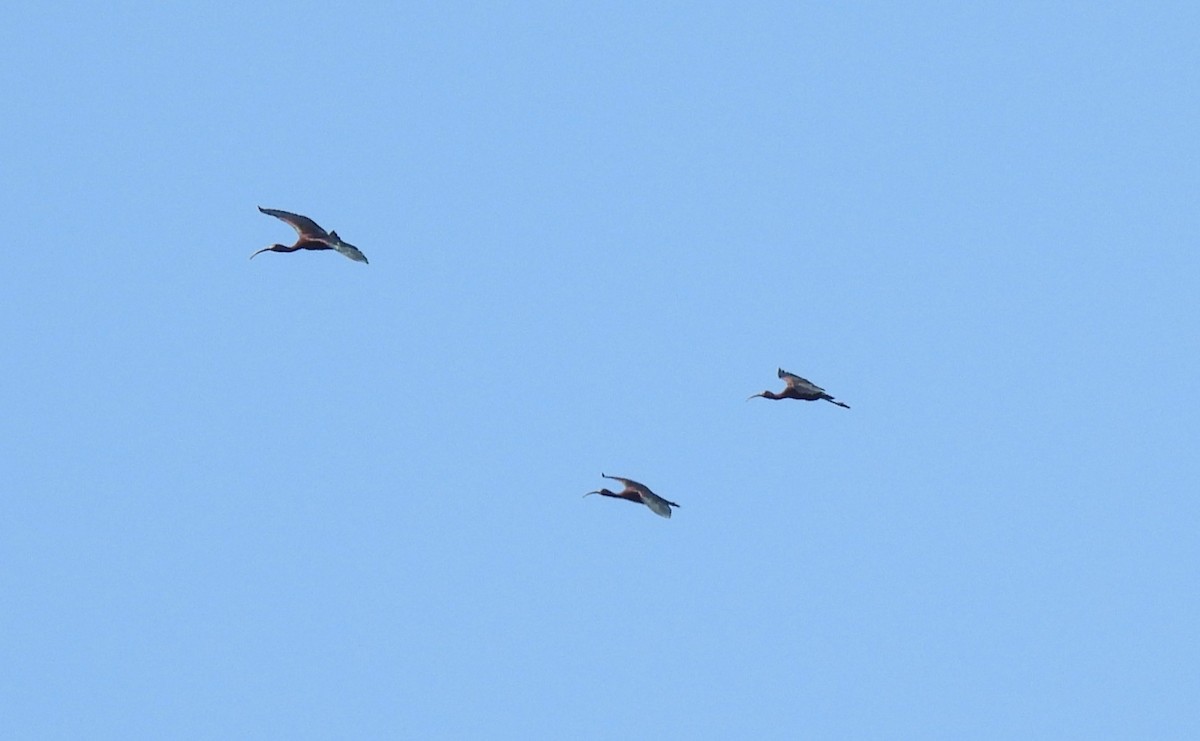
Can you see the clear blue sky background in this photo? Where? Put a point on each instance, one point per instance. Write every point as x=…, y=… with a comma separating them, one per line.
x=302, y=497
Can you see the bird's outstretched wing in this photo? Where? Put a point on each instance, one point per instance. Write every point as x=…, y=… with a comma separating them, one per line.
x=802, y=384
x=657, y=505
x=631, y=484
x=348, y=250
x=303, y=225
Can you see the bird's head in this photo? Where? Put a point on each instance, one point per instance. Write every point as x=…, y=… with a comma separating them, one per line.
x=755, y=396
x=601, y=492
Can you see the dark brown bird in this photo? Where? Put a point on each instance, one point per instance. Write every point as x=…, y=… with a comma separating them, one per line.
x=799, y=388
x=311, y=237
x=639, y=493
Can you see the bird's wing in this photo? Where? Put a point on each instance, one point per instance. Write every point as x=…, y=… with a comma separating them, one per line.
x=631, y=484
x=303, y=225
x=348, y=250
x=657, y=505
x=796, y=382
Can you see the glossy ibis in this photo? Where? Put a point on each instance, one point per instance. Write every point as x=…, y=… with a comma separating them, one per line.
x=799, y=388
x=311, y=237
x=639, y=493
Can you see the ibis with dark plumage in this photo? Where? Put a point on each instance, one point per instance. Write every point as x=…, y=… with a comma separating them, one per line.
x=309, y=237
x=799, y=388
x=637, y=493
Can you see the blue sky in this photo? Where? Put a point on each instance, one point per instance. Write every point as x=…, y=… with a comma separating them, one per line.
x=302, y=497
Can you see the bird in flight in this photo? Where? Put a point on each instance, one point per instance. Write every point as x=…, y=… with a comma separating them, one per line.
x=799, y=388
x=638, y=493
x=310, y=237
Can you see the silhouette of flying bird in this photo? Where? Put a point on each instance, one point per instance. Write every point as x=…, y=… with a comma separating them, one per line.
x=639, y=493
x=799, y=388
x=310, y=237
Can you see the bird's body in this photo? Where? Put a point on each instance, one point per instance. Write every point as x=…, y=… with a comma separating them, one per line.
x=310, y=237
x=799, y=388
x=638, y=493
